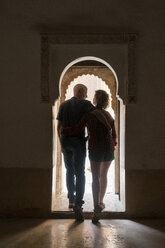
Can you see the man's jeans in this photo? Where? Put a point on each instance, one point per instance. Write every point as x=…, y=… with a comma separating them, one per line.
x=74, y=151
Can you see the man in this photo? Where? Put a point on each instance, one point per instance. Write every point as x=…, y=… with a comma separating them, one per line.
x=74, y=147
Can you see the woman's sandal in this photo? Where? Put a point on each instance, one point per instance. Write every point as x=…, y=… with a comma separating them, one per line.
x=96, y=214
x=102, y=205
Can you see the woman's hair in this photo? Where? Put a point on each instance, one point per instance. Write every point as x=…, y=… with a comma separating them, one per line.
x=101, y=99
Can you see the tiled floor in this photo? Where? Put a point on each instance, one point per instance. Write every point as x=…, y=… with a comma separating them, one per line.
x=38, y=233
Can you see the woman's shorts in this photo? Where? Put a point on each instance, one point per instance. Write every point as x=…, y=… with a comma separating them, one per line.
x=102, y=157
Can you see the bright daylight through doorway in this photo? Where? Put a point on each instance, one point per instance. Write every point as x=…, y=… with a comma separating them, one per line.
x=93, y=83
x=99, y=75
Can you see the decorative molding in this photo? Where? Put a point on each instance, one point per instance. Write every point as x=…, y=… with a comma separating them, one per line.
x=103, y=73
x=45, y=69
x=131, y=84
x=113, y=38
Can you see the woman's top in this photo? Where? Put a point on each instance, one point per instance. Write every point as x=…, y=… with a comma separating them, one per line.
x=101, y=131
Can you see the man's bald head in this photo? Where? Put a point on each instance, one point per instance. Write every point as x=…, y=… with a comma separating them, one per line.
x=80, y=91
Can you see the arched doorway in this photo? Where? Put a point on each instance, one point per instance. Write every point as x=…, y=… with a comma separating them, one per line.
x=99, y=70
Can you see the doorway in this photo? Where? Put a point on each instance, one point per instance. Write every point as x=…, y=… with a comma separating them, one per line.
x=95, y=75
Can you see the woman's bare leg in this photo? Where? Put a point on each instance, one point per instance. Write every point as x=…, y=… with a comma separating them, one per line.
x=95, y=168
x=104, y=167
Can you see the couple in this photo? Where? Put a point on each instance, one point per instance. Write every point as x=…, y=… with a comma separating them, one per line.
x=74, y=114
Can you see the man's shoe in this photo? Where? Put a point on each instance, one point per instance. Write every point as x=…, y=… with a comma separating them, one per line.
x=78, y=213
x=71, y=205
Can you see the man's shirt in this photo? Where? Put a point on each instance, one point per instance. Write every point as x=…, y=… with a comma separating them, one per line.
x=72, y=110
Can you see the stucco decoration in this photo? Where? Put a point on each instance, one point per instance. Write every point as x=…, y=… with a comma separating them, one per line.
x=102, y=72
x=45, y=69
x=115, y=38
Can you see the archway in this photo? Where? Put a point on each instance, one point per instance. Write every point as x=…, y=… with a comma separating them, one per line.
x=107, y=74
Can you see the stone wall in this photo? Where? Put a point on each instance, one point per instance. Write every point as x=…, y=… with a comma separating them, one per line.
x=26, y=122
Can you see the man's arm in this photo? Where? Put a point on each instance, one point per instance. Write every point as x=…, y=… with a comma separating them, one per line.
x=59, y=128
x=89, y=107
x=77, y=129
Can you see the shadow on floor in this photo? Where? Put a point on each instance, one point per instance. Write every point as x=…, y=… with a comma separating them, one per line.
x=156, y=224
x=13, y=226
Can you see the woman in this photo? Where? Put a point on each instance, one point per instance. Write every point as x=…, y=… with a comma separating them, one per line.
x=102, y=141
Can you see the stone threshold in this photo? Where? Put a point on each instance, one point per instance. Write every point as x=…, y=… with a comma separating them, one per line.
x=105, y=215
x=87, y=215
